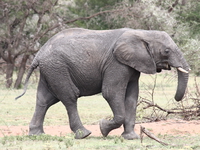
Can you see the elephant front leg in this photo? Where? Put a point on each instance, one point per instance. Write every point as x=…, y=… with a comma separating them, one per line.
x=115, y=99
x=130, y=107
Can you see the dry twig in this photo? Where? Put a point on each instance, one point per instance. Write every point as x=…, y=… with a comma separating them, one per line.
x=169, y=111
x=149, y=134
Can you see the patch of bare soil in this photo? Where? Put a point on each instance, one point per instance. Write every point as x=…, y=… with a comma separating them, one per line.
x=169, y=127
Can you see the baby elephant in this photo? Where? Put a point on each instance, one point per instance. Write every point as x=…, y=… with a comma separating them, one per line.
x=80, y=62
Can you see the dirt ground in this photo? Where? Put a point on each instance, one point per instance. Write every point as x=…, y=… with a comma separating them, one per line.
x=169, y=127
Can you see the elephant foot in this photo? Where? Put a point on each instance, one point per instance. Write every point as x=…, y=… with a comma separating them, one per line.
x=82, y=133
x=130, y=136
x=34, y=130
x=104, y=127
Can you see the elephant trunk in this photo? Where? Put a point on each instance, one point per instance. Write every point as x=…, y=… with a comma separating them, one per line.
x=182, y=84
x=183, y=76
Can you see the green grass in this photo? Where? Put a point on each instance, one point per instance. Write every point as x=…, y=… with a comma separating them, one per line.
x=91, y=110
x=47, y=142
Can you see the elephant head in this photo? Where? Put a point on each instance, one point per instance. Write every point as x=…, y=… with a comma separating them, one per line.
x=150, y=52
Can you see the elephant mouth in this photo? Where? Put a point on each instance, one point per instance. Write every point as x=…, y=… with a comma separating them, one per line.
x=166, y=66
x=162, y=65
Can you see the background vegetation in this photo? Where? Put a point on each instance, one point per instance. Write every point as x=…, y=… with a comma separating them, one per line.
x=156, y=89
x=25, y=25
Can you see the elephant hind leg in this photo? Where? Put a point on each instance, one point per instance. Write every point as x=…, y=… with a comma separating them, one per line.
x=68, y=93
x=74, y=120
x=44, y=100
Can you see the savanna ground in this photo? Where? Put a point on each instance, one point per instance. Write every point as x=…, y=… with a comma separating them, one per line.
x=172, y=129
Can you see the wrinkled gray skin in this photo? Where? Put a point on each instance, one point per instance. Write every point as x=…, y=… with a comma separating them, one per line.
x=80, y=62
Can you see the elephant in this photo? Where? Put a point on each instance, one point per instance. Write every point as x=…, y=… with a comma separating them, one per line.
x=81, y=62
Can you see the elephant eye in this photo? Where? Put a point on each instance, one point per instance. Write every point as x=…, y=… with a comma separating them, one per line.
x=167, y=51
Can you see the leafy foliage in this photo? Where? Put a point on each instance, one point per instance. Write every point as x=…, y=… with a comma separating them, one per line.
x=84, y=8
x=191, y=16
x=29, y=24
x=188, y=18
x=25, y=26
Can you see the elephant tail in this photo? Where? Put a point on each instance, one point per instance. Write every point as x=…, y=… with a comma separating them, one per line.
x=33, y=66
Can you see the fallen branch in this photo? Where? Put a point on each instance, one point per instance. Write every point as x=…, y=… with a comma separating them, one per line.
x=168, y=111
x=152, y=136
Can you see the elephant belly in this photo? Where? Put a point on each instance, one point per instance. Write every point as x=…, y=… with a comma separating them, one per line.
x=89, y=88
x=88, y=85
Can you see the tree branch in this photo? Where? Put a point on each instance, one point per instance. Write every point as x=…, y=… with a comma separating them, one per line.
x=74, y=20
x=149, y=134
x=173, y=5
x=150, y=104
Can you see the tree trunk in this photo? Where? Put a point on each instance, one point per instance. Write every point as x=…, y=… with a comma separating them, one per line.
x=21, y=72
x=183, y=2
x=173, y=5
x=9, y=74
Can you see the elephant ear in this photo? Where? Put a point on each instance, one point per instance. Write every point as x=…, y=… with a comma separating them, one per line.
x=135, y=52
